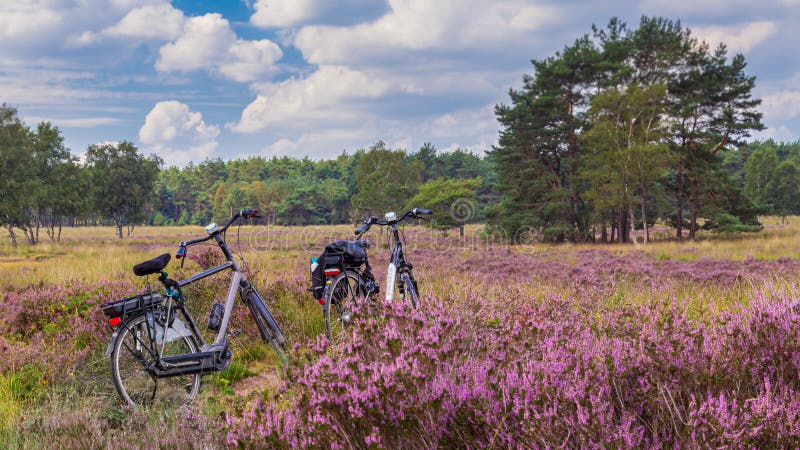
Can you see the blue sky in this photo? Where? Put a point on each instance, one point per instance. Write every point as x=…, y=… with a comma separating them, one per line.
x=191, y=80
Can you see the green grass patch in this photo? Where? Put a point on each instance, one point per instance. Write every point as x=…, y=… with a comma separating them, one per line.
x=10, y=406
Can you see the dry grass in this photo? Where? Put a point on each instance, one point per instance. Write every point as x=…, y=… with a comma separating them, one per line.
x=94, y=253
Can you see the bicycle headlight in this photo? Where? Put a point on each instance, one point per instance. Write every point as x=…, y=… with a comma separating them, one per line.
x=390, y=216
x=212, y=228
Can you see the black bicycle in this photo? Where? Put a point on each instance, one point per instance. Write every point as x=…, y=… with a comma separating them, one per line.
x=342, y=282
x=401, y=272
x=158, y=354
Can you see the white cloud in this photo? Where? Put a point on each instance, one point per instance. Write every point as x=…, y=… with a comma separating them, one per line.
x=781, y=105
x=688, y=8
x=207, y=42
x=322, y=143
x=150, y=22
x=177, y=134
x=329, y=94
x=738, y=38
x=50, y=87
x=74, y=122
x=427, y=25
x=282, y=13
x=291, y=13
x=204, y=40
x=127, y=5
x=250, y=60
x=42, y=21
x=24, y=18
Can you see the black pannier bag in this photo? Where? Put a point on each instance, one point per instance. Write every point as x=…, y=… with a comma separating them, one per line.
x=317, y=277
x=353, y=255
x=340, y=254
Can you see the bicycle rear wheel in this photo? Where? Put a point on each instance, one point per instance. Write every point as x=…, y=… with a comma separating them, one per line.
x=267, y=326
x=342, y=296
x=133, y=352
x=410, y=288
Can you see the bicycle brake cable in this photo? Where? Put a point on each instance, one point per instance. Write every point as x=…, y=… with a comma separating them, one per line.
x=238, y=252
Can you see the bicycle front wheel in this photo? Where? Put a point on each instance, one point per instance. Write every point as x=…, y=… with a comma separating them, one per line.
x=134, y=350
x=342, y=295
x=410, y=288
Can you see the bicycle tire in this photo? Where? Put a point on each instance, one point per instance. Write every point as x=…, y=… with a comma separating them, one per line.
x=267, y=326
x=132, y=380
x=344, y=293
x=410, y=288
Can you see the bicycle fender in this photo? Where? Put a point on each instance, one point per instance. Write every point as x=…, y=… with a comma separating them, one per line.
x=111, y=344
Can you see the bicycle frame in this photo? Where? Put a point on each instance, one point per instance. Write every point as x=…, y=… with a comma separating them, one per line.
x=397, y=264
x=238, y=283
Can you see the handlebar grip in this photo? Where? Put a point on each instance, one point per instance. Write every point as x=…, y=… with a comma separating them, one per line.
x=249, y=212
x=422, y=211
x=361, y=229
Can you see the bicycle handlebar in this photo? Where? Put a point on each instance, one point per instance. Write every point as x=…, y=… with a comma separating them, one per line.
x=245, y=213
x=413, y=213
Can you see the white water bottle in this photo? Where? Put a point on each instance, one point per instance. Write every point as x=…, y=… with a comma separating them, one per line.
x=390, y=279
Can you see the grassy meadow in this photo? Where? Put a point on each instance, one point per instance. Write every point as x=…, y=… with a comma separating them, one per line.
x=665, y=344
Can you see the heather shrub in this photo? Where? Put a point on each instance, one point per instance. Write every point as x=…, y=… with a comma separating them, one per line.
x=55, y=328
x=550, y=373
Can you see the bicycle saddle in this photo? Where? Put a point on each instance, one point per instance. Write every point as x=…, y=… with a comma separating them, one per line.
x=151, y=266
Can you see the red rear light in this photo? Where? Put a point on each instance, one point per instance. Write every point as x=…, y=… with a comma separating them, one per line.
x=115, y=321
x=332, y=272
x=321, y=301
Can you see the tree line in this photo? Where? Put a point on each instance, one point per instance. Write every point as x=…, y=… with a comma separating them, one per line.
x=769, y=174
x=291, y=191
x=45, y=187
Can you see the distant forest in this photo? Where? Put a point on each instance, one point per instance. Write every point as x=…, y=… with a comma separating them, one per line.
x=620, y=129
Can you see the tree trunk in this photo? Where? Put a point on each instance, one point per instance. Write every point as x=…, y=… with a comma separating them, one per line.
x=461, y=230
x=631, y=209
x=12, y=235
x=679, y=224
x=692, y=207
x=624, y=228
x=644, y=217
x=604, y=234
x=28, y=233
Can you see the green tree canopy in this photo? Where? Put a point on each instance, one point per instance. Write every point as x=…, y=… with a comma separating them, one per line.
x=385, y=180
x=123, y=182
x=453, y=202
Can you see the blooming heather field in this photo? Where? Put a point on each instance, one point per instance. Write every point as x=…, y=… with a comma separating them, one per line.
x=669, y=344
